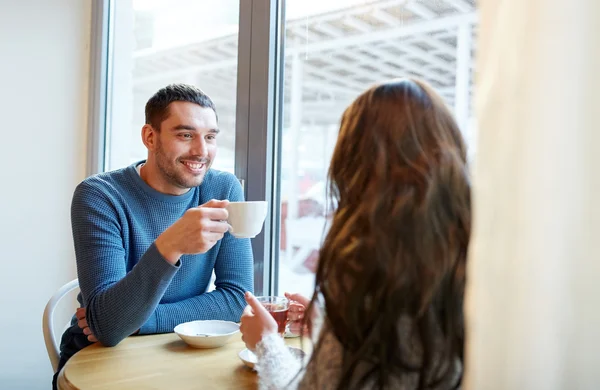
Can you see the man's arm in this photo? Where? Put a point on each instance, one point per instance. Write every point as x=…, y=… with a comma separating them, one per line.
x=234, y=271
x=117, y=303
x=234, y=276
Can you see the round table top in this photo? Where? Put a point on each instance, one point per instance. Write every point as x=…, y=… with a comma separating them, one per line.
x=160, y=361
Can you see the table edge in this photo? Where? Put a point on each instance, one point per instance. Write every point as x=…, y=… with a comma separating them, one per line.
x=63, y=383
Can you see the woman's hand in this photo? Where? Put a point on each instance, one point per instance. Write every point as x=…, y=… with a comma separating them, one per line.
x=256, y=322
x=296, y=313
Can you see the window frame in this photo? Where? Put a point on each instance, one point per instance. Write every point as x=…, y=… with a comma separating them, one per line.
x=258, y=115
x=258, y=109
x=101, y=39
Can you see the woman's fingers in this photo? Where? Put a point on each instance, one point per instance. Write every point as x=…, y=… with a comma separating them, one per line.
x=299, y=298
x=295, y=315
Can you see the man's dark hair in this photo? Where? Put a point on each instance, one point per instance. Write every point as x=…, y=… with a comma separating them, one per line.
x=157, y=107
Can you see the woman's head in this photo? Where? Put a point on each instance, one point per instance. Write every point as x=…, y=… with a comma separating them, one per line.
x=398, y=239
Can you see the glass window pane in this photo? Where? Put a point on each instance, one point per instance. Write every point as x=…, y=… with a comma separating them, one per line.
x=158, y=42
x=334, y=50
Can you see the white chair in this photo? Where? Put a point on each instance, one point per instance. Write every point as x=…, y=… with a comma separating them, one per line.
x=52, y=345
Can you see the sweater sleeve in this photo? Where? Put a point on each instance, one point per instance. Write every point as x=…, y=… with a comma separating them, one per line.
x=117, y=303
x=276, y=366
x=279, y=369
x=234, y=273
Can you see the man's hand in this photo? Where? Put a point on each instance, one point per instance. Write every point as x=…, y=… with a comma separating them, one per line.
x=196, y=231
x=82, y=323
x=81, y=315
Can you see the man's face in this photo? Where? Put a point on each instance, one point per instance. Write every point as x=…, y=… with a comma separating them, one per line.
x=185, y=146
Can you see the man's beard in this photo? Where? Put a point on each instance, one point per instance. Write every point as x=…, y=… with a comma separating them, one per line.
x=176, y=176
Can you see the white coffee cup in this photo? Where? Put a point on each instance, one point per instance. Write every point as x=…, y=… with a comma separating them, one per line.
x=246, y=218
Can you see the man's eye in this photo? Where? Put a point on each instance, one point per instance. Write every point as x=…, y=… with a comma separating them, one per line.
x=211, y=137
x=186, y=135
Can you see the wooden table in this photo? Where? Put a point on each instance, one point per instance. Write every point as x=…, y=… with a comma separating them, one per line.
x=161, y=361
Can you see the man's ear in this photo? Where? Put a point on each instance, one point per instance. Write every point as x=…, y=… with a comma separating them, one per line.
x=149, y=135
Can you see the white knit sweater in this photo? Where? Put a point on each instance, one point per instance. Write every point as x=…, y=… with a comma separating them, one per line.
x=279, y=369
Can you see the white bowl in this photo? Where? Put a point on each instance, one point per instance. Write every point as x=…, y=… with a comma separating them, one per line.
x=248, y=357
x=206, y=334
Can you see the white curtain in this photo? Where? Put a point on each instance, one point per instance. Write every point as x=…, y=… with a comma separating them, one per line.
x=533, y=294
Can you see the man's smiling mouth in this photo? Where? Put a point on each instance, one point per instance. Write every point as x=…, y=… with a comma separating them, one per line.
x=195, y=167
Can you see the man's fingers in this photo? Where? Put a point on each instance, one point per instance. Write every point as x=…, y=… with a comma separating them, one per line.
x=82, y=323
x=87, y=331
x=92, y=338
x=213, y=211
x=215, y=214
x=80, y=313
x=216, y=203
x=217, y=227
x=211, y=238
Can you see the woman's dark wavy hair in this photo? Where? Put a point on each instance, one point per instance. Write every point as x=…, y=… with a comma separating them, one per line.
x=398, y=240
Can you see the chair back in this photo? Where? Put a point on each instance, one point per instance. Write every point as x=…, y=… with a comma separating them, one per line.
x=52, y=344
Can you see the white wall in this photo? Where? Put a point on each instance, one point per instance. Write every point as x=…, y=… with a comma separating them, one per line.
x=44, y=57
x=534, y=263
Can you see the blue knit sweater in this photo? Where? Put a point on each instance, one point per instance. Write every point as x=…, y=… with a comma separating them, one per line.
x=125, y=283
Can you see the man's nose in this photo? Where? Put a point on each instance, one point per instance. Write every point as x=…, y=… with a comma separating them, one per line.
x=199, y=147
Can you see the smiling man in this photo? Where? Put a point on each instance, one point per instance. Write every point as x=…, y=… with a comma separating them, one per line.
x=148, y=237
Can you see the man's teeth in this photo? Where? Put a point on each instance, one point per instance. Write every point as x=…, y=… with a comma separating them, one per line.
x=194, y=165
